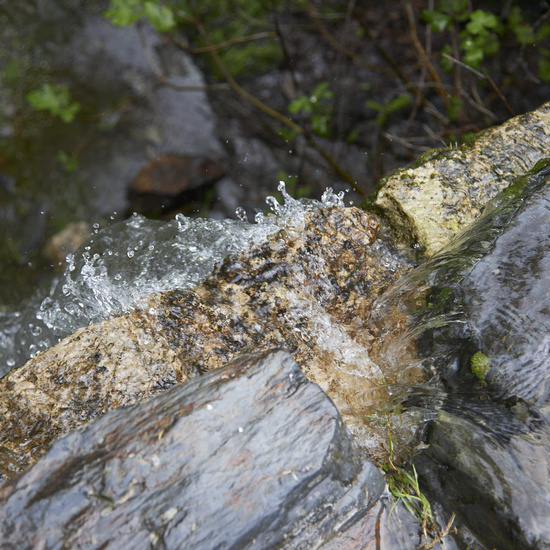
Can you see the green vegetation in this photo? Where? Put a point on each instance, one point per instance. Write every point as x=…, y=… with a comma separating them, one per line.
x=127, y=12
x=56, y=100
x=384, y=111
x=405, y=488
x=479, y=365
x=318, y=108
x=446, y=77
x=482, y=33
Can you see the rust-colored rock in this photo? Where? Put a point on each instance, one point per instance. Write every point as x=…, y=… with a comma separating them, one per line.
x=170, y=175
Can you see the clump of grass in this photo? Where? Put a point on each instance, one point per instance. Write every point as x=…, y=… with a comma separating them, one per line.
x=405, y=488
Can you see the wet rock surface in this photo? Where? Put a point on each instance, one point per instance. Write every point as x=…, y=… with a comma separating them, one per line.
x=484, y=301
x=252, y=455
x=307, y=289
x=445, y=190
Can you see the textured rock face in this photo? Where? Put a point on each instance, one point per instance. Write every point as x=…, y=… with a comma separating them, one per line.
x=487, y=453
x=214, y=463
x=444, y=191
x=308, y=290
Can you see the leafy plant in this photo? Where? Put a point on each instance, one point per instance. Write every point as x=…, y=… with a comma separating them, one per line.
x=55, y=99
x=127, y=12
x=385, y=110
x=482, y=33
x=70, y=162
x=318, y=106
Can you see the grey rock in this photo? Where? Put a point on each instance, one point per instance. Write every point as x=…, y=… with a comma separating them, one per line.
x=486, y=446
x=251, y=455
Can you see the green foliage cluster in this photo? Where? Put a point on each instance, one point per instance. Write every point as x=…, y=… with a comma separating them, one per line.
x=482, y=32
x=56, y=100
x=126, y=12
x=385, y=110
x=228, y=21
x=318, y=107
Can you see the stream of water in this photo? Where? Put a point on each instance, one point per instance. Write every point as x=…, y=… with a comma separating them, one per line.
x=132, y=259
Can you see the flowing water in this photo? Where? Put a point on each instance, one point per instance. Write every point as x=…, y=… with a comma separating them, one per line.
x=486, y=293
x=132, y=259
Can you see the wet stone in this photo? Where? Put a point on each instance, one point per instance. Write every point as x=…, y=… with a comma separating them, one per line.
x=307, y=289
x=478, y=315
x=251, y=455
x=444, y=190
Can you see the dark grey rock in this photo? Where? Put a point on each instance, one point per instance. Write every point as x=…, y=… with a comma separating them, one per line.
x=487, y=295
x=251, y=455
x=497, y=485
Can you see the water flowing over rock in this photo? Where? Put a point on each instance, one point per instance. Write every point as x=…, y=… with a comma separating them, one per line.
x=446, y=189
x=479, y=314
x=308, y=288
x=449, y=363
x=252, y=455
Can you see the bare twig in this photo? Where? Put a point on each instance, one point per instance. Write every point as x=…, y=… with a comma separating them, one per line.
x=161, y=78
x=484, y=77
x=336, y=45
x=397, y=70
x=439, y=88
x=233, y=41
x=440, y=536
x=272, y=112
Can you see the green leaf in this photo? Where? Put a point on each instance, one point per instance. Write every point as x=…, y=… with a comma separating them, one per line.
x=480, y=21
x=438, y=21
x=544, y=69
x=321, y=91
x=161, y=17
x=301, y=103
x=69, y=162
x=473, y=57
x=454, y=108
x=446, y=64
x=398, y=103
x=543, y=31
x=56, y=99
x=124, y=12
x=514, y=17
x=320, y=124
x=525, y=34
x=374, y=105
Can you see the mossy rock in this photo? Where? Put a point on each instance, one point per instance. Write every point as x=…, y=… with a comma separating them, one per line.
x=431, y=201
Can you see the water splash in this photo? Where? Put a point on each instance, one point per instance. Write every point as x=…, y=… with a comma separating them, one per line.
x=132, y=259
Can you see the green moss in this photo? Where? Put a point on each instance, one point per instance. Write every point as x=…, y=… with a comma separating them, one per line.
x=479, y=365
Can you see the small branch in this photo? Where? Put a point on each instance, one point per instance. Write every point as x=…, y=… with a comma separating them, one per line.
x=158, y=73
x=484, y=77
x=336, y=45
x=272, y=112
x=397, y=70
x=233, y=41
x=439, y=88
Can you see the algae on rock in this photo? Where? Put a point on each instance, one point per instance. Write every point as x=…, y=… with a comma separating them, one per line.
x=442, y=192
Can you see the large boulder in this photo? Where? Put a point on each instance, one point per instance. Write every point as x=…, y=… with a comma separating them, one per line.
x=446, y=189
x=308, y=289
x=252, y=455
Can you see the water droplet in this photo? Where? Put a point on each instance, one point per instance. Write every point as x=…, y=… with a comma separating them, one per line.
x=241, y=214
